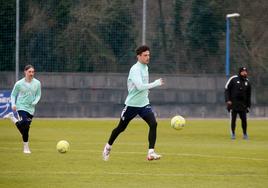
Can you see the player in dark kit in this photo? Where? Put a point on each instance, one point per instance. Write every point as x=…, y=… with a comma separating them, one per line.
x=237, y=98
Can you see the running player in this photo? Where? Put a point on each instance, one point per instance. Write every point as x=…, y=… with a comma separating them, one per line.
x=25, y=95
x=137, y=103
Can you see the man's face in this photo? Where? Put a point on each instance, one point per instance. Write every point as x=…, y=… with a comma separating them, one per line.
x=144, y=57
x=29, y=74
x=244, y=73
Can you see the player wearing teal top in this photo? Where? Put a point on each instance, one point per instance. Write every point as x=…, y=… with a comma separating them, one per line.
x=25, y=95
x=138, y=85
x=28, y=94
x=137, y=103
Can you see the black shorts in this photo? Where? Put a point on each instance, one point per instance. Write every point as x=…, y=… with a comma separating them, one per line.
x=129, y=112
x=25, y=117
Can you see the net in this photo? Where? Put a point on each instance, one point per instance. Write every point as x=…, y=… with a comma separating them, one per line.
x=186, y=37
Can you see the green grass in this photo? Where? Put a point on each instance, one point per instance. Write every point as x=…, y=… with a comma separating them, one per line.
x=200, y=156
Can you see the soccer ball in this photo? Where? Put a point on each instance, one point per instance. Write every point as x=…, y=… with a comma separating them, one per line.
x=63, y=146
x=177, y=122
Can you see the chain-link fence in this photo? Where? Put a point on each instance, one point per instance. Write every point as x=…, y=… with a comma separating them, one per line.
x=186, y=37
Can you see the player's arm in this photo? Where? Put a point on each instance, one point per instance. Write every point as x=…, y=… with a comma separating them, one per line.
x=38, y=94
x=249, y=96
x=13, y=96
x=227, y=91
x=137, y=81
x=227, y=94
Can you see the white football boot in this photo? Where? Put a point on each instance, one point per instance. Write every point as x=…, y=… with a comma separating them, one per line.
x=11, y=116
x=106, y=152
x=153, y=156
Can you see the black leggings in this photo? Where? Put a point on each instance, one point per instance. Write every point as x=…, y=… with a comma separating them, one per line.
x=23, y=124
x=243, y=117
x=150, y=120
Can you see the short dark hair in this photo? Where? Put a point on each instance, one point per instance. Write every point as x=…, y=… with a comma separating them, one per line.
x=28, y=67
x=141, y=49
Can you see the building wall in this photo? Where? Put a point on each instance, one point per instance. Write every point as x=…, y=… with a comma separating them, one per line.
x=103, y=95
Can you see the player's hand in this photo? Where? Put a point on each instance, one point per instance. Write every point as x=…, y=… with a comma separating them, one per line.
x=14, y=108
x=229, y=105
x=162, y=81
x=247, y=110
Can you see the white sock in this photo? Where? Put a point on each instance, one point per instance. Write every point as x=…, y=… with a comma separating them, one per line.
x=108, y=146
x=14, y=120
x=26, y=148
x=151, y=151
x=26, y=144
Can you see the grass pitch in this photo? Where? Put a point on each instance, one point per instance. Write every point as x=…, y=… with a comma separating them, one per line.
x=201, y=155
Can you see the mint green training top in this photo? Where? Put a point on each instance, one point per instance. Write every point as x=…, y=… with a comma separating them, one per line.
x=25, y=95
x=138, y=85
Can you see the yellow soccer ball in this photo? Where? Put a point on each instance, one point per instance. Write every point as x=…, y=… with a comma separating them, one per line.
x=63, y=146
x=178, y=122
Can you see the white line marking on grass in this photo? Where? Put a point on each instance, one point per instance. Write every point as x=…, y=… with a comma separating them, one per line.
x=38, y=173
x=200, y=155
x=184, y=175
x=143, y=153
x=216, y=156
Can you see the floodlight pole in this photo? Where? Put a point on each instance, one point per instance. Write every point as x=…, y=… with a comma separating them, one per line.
x=227, y=61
